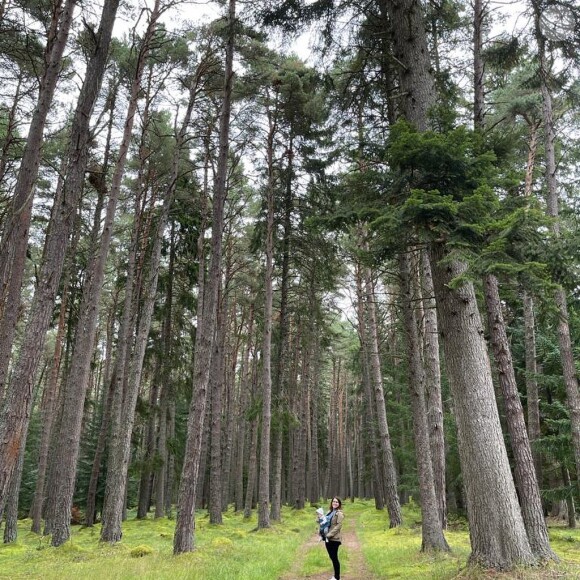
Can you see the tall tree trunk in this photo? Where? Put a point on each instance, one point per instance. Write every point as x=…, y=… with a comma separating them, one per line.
x=14, y=243
x=231, y=351
x=252, y=469
x=48, y=410
x=90, y=509
x=242, y=420
x=434, y=400
x=76, y=384
x=280, y=382
x=72, y=328
x=183, y=540
x=525, y=475
x=216, y=385
x=180, y=138
x=170, y=485
x=411, y=52
x=9, y=140
x=61, y=224
x=110, y=379
x=532, y=392
x=146, y=481
x=376, y=467
x=297, y=431
x=552, y=202
x=11, y=509
x=314, y=492
x=166, y=391
x=392, y=498
x=253, y=448
x=432, y=530
x=498, y=535
x=479, y=20
x=264, y=483
x=121, y=447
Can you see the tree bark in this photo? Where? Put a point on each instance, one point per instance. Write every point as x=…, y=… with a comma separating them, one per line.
x=264, y=483
x=161, y=476
x=314, y=493
x=48, y=411
x=370, y=426
x=552, y=202
x=76, y=384
x=11, y=508
x=411, y=52
x=14, y=243
x=433, y=387
x=524, y=472
x=392, y=498
x=245, y=381
x=62, y=220
x=479, y=18
x=432, y=530
x=216, y=384
x=532, y=392
x=570, y=499
x=231, y=352
x=498, y=535
x=183, y=539
x=9, y=141
x=252, y=469
x=90, y=509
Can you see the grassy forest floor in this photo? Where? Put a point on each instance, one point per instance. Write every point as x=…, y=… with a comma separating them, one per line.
x=287, y=551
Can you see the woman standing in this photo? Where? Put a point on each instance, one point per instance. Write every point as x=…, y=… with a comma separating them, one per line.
x=333, y=536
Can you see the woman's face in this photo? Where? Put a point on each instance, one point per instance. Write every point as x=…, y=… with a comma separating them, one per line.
x=335, y=503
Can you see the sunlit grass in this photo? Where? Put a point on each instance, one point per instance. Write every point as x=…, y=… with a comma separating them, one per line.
x=395, y=553
x=232, y=550
x=236, y=550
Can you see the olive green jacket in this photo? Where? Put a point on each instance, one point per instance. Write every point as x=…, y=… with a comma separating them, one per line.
x=333, y=533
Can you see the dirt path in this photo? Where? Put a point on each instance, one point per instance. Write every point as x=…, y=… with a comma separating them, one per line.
x=355, y=569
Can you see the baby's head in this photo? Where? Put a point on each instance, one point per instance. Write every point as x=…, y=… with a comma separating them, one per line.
x=320, y=511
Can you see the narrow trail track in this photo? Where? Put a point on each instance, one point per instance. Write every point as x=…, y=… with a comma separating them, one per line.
x=354, y=569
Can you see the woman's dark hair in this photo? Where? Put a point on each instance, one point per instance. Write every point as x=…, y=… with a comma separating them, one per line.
x=338, y=500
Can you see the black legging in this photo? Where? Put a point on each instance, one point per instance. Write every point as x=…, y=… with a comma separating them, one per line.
x=332, y=549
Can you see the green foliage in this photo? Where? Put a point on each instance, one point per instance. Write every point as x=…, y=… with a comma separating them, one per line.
x=503, y=53
x=292, y=15
x=21, y=45
x=451, y=162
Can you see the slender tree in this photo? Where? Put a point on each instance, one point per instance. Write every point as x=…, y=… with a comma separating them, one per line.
x=264, y=484
x=392, y=497
x=14, y=242
x=432, y=530
x=60, y=230
x=553, y=210
x=77, y=380
x=183, y=539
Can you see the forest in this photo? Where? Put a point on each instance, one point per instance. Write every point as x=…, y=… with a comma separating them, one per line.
x=241, y=274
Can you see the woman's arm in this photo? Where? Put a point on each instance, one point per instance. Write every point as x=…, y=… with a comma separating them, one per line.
x=335, y=526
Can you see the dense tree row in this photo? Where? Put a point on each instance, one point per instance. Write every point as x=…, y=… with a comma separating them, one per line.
x=230, y=277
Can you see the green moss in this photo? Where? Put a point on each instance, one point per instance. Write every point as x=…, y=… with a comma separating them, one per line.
x=140, y=551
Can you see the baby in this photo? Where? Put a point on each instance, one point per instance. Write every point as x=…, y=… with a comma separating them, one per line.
x=323, y=524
